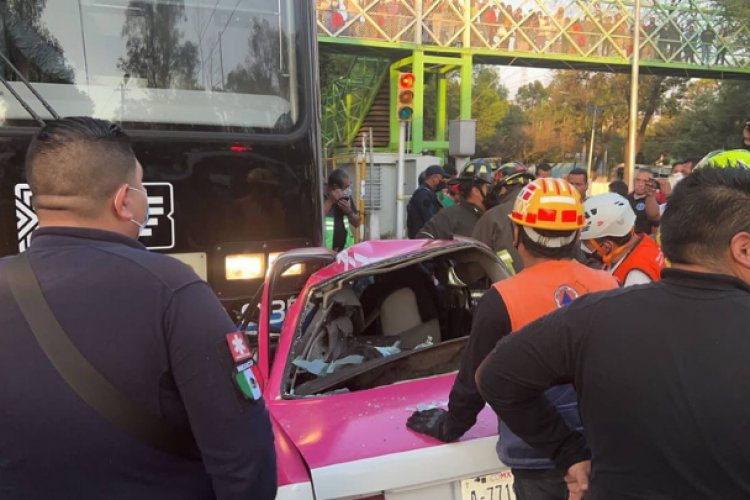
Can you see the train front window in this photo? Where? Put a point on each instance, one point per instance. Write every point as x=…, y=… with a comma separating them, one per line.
x=221, y=65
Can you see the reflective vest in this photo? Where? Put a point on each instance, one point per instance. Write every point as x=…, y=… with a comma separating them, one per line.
x=646, y=256
x=529, y=295
x=328, y=228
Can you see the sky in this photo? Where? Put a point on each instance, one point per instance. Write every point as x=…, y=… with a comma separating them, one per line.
x=513, y=77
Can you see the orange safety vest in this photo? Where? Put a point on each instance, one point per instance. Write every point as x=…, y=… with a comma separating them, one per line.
x=646, y=256
x=540, y=289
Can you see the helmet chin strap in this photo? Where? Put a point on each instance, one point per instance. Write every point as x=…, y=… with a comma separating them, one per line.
x=608, y=257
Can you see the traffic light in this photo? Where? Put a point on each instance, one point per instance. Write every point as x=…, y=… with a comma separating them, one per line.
x=405, y=109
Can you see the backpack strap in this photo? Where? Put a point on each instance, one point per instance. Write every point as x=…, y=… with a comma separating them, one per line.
x=106, y=399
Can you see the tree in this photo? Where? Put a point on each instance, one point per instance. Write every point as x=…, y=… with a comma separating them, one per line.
x=531, y=96
x=154, y=46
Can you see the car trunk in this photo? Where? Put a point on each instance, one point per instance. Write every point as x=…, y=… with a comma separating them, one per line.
x=357, y=443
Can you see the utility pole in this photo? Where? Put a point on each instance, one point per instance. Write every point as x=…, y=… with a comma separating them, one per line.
x=591, y=144
x=634, y=73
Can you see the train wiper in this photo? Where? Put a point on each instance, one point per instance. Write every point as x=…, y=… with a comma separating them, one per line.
x=28, y=85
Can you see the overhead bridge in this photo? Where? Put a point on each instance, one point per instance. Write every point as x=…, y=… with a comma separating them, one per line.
x=688, y=38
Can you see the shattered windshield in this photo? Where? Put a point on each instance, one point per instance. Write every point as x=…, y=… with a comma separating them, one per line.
x=185, y=64
x=383, y=328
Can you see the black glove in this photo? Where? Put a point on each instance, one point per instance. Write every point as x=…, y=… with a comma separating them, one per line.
x=433, y=423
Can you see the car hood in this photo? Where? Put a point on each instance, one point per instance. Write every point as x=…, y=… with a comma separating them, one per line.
x=363, y=435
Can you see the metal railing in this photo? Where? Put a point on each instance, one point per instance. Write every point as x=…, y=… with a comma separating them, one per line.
x=700, y=33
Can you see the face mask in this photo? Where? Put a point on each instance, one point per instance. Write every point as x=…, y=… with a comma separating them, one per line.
x=142, y=225
x=346, y=193
x=675, y=178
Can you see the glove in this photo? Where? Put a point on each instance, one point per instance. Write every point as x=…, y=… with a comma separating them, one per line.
x=432, y=423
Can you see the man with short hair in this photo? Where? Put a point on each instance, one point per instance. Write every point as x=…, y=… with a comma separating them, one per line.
x=643, y=201
x=746, y=135
x=543, y=170
x=579, y=178
x=148, y=325
x=660, y=370
x=424, y=203
x=545, y=231
x=341, y=214
x=618, y=187
x=610, y=237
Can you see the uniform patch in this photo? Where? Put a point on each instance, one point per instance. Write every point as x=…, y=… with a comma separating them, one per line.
x=238, y=347
x=248, y=380
x=564, y=295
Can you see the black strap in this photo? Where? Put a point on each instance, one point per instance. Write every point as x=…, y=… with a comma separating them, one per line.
x=83, y=378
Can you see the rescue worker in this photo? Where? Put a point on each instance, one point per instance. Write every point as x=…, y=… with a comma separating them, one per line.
x=460, y=219
x=424, y=203
x=547, y=216
x=134, y=394
x=341, y=212
x=494, y=229
x=610, y=236
x=661, y=370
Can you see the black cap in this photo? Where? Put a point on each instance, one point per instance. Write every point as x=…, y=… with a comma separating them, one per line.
x=435, y=169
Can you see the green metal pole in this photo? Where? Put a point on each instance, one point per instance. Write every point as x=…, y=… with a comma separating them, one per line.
x=466, y=83
x=441, y=115
x=417, y=124
x=393, y=136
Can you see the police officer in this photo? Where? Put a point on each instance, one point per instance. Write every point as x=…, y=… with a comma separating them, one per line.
x=341, y=212
x=424, y=203
x=494, y=228
x=460, y=219
x=146, y=323
x=545, y=231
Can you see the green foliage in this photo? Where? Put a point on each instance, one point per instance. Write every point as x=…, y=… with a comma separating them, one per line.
x=709, y=116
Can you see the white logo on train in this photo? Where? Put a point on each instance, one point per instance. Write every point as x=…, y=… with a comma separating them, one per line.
x=158, y=234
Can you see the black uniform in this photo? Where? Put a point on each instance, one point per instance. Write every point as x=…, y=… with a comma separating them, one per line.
x=155, y=331
x=495, y=229
x=642, y=223
x=663, y=380
x=422, y=206
x=458, y=219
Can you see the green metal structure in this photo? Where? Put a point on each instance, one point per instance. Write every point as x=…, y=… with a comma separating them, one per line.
x=690, y=38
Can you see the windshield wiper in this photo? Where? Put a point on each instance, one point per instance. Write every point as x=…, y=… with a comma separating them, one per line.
x=28, y=85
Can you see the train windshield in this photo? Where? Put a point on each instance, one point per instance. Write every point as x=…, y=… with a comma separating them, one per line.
x=205, y=65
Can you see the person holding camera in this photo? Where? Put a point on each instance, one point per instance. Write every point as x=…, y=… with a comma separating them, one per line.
x=644, y=203
x=341, y=213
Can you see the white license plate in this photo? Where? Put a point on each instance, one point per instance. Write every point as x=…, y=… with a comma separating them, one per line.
x=498, y=486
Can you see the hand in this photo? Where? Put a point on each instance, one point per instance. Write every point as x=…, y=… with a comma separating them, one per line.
x=429, y=422
x=345, y=206
x=651, y=187
x=664, y=186
x=335, y=195
x=577, y=479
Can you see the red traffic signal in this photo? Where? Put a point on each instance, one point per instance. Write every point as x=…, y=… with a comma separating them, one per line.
x=405, y=101
x=406, y=80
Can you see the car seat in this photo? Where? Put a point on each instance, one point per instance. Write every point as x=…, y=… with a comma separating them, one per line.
x=399, y=316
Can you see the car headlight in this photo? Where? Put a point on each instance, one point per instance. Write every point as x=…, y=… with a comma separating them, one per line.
x=244, y=266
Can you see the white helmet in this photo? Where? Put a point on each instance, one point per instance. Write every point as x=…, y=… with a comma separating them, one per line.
x=607, y=214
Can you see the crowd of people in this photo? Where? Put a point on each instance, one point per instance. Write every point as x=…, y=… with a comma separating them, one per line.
x=670, y=31
x=611, y=375
x=654, y=401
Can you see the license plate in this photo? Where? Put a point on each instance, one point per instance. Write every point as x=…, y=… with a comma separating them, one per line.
x=498, y=486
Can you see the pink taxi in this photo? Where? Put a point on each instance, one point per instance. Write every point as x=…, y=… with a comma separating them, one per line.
x=375, y=332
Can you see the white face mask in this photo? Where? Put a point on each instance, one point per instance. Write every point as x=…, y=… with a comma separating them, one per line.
x=142, y=225
x=675, y=178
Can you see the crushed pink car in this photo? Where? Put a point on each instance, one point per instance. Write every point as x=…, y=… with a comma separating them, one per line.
x=375, y=332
